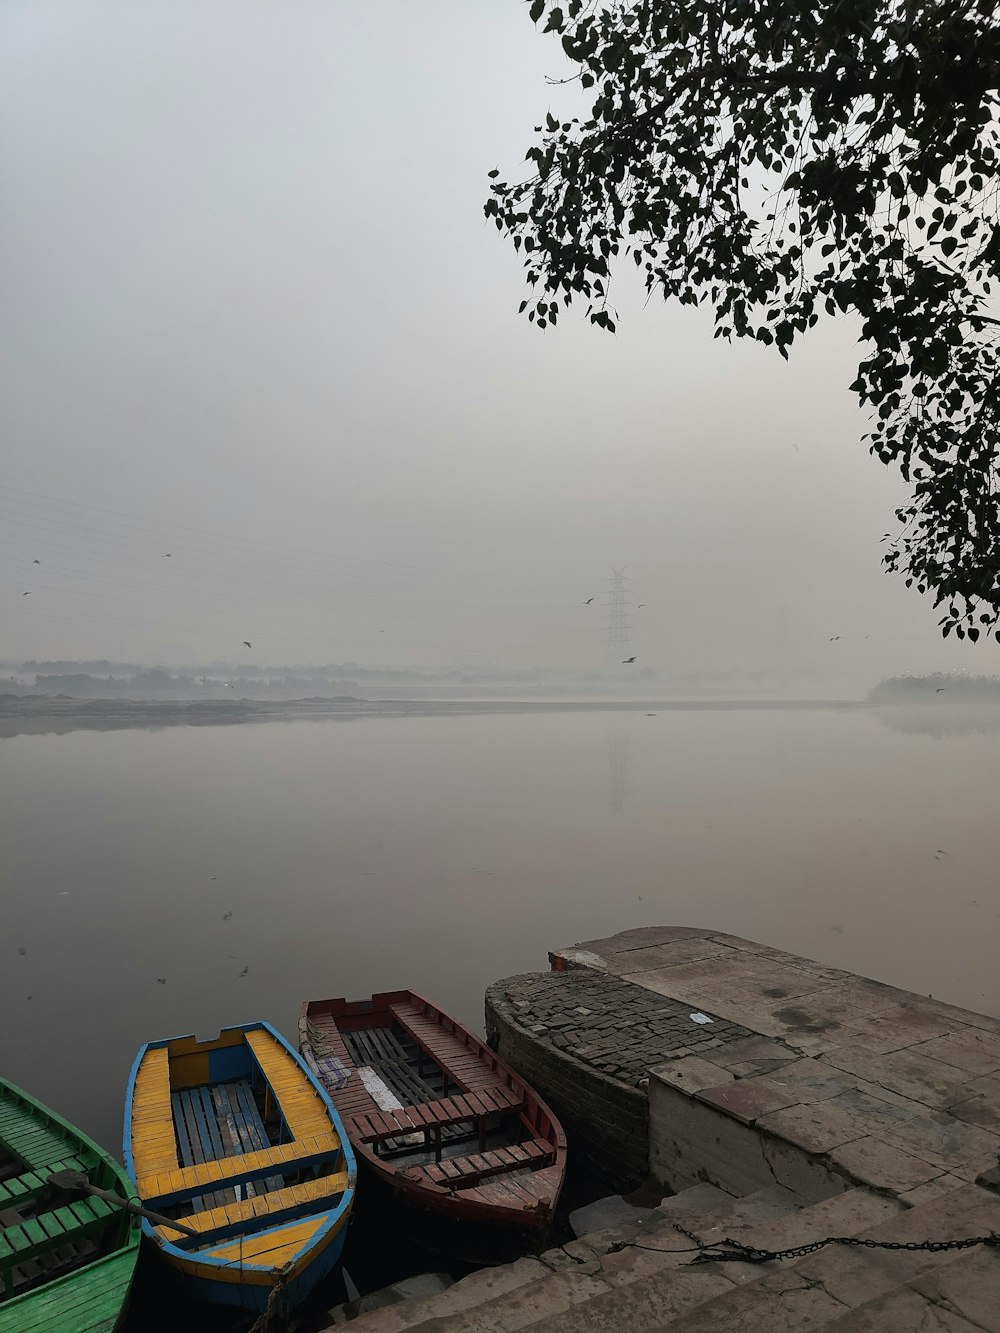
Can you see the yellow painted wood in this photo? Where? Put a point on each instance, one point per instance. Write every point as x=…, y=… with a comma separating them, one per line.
x=301, y=1105
x=188, y=1071
x=159, y=1184
x=276, y=1247
x=191, y=1045
x=234, y=1214
x=153, y=1146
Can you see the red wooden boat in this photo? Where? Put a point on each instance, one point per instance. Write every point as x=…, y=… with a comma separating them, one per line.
x=469, y=1159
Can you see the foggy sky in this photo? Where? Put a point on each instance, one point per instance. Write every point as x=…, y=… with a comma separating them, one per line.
x=250, y=306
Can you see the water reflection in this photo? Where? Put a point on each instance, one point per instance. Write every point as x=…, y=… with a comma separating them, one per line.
x=440, y=853
x=617, y=748
x=941, y=720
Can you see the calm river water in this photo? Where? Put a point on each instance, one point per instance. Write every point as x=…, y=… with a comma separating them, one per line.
x=171, y=881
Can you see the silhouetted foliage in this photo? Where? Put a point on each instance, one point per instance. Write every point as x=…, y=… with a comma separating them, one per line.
x=779, y=161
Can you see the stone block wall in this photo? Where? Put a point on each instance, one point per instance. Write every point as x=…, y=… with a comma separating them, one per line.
x=606, y=1121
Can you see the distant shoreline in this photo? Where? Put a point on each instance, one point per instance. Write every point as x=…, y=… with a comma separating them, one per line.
x=34, y=715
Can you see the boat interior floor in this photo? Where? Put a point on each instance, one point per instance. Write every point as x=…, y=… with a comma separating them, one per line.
x=219, y=1120
x=413, y=1077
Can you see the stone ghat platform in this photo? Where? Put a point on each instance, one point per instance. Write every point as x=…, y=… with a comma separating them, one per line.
x=806, y=1072
x=811, y=1103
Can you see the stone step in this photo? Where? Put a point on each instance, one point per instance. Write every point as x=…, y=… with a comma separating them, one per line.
x=571, y=1278
x=831, y=1288
x=478, y=1289
x=591, y=1286
x=468, y=1298
x=658, y=1287
x=962, y=1296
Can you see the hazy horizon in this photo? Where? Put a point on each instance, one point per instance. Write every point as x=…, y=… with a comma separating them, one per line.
x=264, y=379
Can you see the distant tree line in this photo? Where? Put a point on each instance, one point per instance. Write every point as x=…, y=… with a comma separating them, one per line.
x=939, y=687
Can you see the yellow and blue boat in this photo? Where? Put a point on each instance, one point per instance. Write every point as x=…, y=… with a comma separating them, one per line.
x=236, y=1141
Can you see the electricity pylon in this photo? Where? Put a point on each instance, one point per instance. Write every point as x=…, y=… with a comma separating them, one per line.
x=619, y=636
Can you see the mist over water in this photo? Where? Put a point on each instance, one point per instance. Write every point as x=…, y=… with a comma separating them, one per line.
x=440, y=853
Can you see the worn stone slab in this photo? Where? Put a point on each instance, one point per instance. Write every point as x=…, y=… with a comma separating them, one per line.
x=746, y=1099
x=969, y=1286
x=902, y=1311
x=815, y=1128
x=962, y=1017
x=782, y=1302
x=974, y=1052
x=639, y=1303
x=609, y=1212
x=670, y=954
x=989, y=1086
x=918, y=1077
x=901, y=1026
x=874, y=1162
x=856, y=1276
x=690, y=1073
x=806, y=1079
x=782, y=956
x=550, y=1297
x=482, y=1287
x=942, y=1139
x=851, y=1213
x=979, y=1111
x=931, y=1189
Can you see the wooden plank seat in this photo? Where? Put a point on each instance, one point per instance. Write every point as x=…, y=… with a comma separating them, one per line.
x=28, y=1186
x=302, y=1108
x=155, y=1148
x=455, y=1172
x=165, y=1188
x=377, y=1126
x=468, y=1067
x=38, y=1235
x=277, y=1206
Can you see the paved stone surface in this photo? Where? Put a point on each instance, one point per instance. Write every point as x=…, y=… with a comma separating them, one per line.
x=901, y=1311
x=891, y=1089
x=611, y=1025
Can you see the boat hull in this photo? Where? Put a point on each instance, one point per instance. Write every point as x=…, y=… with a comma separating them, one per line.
x=235, y=1139
x=458, y=1150
x=43, y=1142
x=467, y=1235
x=251, y=1290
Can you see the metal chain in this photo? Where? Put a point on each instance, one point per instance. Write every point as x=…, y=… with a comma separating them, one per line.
x=735, y=1251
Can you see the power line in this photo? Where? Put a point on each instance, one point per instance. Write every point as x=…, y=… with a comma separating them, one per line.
x=272, y=546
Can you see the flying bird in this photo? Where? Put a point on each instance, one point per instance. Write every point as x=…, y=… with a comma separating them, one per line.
x=162, y=980
x=626, y=660
x=226, y=916
x=941, y=689
x=247, y=643
x=167, y=555
x=640, y=606
x=21, y=950
x=834, y=638
x=588, y=601
x=25, y=594
x=36, y=562
x=245, y=970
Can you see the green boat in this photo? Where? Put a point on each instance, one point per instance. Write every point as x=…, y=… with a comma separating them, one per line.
x=66, y=1260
